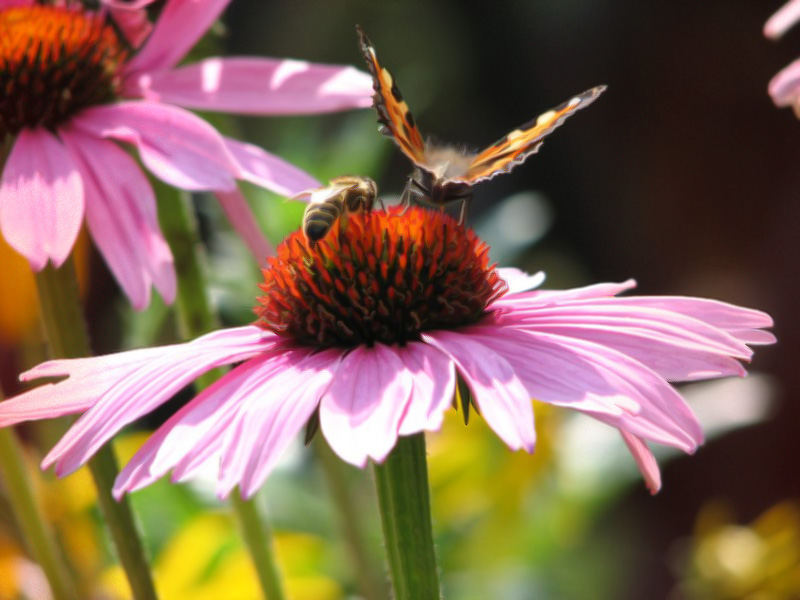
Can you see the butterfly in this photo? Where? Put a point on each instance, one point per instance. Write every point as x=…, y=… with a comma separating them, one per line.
x=444, y=174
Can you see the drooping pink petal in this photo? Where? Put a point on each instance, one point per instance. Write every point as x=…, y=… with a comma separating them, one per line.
x=780, y=22
x=644, y=460
x=784, y=88
x=176, y=145
x=271, y=417
x=261, y=86
x=501, y=397
x=434, y=378
x=269, y=171
x=141, y=385
x=518, y=280
x=194, y=434
x=41, y=199
x=678, y=347
x=89, y=378
x=197, y=430
x=235, y=207
x=596, y=380
x=179, y=26
x=121, y=215
x=360, y=414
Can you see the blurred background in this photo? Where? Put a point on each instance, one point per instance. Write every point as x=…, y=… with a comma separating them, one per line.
x=682, y=175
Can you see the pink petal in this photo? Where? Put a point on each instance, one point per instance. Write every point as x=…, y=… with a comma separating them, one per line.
x=595, y=380
x=236, y=208
x=268, y=171
x=196, y=431
x=360, y=414
x=146, y=378
x=270, y=417
x=518, y=280
x=644, y=460
x=545, y=297
x=135, y=26
x=782, y=20
x=180, y=25
x=741, y=323
x=434, y=378
x=784, y=88
x=503, y=401
x=176, y=145
x=89, y=378
x=678, y=347
x=260, y=86
x=41, y=199
x=121, y=215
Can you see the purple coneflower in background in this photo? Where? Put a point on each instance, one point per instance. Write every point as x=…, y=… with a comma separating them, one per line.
x=72, y=89
x=784, y=88
x=366, y=334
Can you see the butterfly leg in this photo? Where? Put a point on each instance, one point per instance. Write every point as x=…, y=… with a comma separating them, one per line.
x=464, y=213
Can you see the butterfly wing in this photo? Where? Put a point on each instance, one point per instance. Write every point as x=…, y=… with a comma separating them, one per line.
x=514, y=148
x=394, y=115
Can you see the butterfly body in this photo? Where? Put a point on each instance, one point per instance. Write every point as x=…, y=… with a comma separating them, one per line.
x=444, y=174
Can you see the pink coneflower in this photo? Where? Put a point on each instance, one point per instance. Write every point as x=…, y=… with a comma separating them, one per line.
x=367, y=332
x=784, y=88
x=71, y=89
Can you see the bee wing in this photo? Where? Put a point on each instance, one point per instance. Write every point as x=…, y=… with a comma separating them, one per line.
x=394, y=115
x=323, y=194
x=514, y=148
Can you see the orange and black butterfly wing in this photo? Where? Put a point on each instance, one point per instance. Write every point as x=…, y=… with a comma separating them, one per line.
x=394, y=116
x=514, y=148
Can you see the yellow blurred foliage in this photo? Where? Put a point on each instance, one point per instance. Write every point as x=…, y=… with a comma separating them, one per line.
x=477, y=482
x=759, y=561
x=205, y=560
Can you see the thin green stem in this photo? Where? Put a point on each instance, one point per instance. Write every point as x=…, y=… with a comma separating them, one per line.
x=196, y=318
x=30, y=517
x=403, y=498
x=367, y=569
x=258, y=537
x=66, y=333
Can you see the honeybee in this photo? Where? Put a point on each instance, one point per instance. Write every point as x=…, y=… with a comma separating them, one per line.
x=443, y=174
x=343, y=195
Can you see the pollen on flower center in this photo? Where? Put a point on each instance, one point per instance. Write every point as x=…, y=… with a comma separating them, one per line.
x=54, y=61
x=378, y=277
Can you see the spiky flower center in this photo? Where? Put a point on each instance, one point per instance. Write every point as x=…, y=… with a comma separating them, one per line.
x=54, y=61
x=378, y=277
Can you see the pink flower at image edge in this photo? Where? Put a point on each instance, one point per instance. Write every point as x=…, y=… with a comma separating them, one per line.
x=784, y=88
x=52, y=180
x=609, y=357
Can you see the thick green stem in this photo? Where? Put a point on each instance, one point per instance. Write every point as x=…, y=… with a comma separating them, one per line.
x=28, y=513
x=66, y=332
x=402, y=484
x=196, y=318
x=367, y=569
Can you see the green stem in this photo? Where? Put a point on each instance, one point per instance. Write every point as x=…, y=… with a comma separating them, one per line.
x=258, y=537
x=31, y=520
x=196, y=318
x=66, y=332
x=402, y=484
x=367, y=569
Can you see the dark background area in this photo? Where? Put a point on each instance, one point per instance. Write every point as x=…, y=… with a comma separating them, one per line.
x=683, y=175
